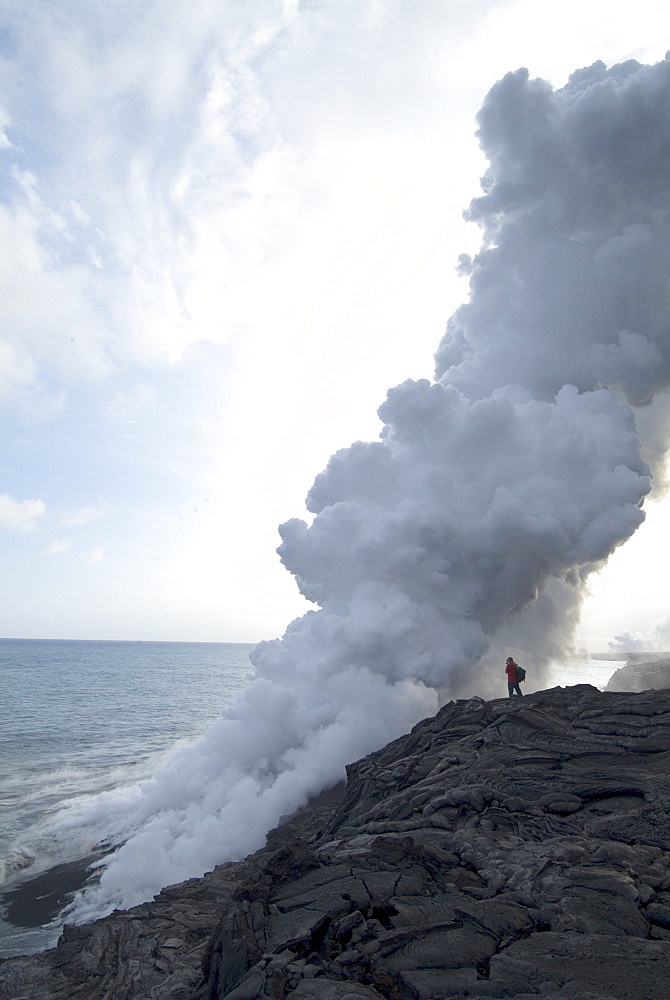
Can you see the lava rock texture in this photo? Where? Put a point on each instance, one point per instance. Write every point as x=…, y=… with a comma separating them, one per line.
x=502, y=849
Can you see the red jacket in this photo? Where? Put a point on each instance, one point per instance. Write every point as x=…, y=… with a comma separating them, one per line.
x=511, y=671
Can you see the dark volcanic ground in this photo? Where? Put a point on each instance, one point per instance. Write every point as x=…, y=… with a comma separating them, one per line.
x=501, y=849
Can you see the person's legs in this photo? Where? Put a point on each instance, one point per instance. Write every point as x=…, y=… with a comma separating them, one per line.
x=510, y=689
x=518, y=690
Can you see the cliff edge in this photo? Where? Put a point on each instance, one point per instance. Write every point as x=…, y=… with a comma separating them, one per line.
x=641, y=673
x=501, y=849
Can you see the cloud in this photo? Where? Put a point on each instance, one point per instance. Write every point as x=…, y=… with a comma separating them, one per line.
x=5, y=122
x=572, y=197
x=179, y=125
x=657, y=639
x=93, y=556
x=210, y=154
x=57, y=547
x=20, y=515
x=630, y=642
x=79, y=516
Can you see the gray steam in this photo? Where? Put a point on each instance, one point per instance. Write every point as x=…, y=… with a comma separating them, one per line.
x=470, y=527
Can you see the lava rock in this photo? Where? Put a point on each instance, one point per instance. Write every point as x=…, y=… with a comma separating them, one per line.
x=500, y=849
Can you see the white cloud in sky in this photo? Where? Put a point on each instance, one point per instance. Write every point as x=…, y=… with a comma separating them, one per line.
x=4, y=122
x=233, y=227
x=77, y=517
x=20, y=515
x=93, y=556
x=57, y=548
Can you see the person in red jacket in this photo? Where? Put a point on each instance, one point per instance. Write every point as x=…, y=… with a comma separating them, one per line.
x=512, y=671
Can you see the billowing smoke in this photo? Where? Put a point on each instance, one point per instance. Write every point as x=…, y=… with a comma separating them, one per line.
x=471, y=526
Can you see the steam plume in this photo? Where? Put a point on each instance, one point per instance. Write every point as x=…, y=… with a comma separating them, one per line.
x=472, y=524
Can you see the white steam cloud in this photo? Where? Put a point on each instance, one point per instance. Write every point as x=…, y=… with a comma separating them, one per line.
x=471, y=526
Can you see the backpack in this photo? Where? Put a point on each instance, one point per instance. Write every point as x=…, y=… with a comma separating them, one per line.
x=520, y=673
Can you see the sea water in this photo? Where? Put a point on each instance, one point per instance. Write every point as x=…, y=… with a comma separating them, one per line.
x=81, y=717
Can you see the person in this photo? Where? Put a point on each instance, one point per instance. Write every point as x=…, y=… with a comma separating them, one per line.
x=512, y=671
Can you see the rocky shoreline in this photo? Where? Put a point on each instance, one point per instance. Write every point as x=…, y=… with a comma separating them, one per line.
x=644, y=671
x=501, y=849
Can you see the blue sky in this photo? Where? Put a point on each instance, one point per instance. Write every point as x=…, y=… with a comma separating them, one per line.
x=228, y=228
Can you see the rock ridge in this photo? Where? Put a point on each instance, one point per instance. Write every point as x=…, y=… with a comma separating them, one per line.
x=501, y=849
x=644, y=671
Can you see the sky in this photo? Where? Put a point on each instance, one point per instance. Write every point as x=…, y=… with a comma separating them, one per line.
x=228, y=229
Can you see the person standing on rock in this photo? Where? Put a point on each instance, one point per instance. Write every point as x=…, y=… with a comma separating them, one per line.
x=513, y=671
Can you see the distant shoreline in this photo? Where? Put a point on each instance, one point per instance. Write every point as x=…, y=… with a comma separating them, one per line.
x=628, y=657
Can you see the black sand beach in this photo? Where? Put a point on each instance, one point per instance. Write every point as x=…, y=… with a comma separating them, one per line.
x=37, y=901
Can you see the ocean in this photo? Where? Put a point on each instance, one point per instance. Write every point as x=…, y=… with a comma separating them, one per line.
x=79, y=719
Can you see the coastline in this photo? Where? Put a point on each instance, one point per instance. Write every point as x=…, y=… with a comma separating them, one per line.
x=38, y=900
x=30, y=908
x=401, y=883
